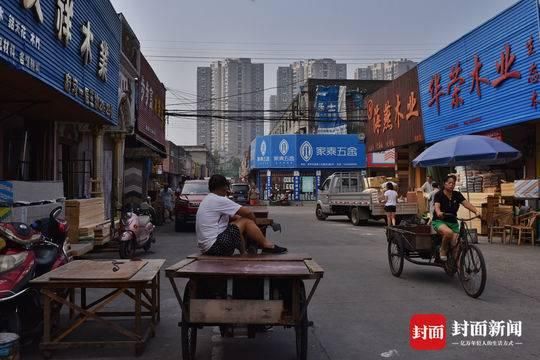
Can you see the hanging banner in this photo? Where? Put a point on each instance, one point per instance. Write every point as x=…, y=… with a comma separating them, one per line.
x=330, y=109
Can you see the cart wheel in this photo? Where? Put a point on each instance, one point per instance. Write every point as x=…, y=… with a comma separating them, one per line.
x=188, y=332
x=395, y=255
x=301, y=329
x=472, y=271
x=319, y=213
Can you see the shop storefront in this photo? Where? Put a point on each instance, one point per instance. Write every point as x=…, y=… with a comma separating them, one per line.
x=395, y=133
x=487, y=82
x=59, y=77
x=300, y=163
x=145, y=149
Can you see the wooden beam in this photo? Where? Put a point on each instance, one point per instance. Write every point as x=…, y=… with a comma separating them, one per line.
x=235, y=311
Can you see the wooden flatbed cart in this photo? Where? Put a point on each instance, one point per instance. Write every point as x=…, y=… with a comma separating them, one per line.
x=256, y=291
x=419, y=244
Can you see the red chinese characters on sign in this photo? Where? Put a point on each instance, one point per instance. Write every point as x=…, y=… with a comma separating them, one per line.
x=455, y=82
x=370, y=110
x=533, y=74
x=530, y=46
x=477, y=80
x=377, y=123
x=399, y=115
x=387, y=113
x=412, y=109
x=504, y=67
x=534, y=99
x=435, y=90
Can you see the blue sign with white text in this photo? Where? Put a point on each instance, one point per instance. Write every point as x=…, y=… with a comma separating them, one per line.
x=307, y=151
x=328, y=110
x=485, y=80
x=71, y=45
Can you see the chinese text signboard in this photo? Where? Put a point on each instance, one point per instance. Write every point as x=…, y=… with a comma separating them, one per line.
x=151, y=108
x=307, y=151
x=487, y=79
x=71, y=45
x=394, y=115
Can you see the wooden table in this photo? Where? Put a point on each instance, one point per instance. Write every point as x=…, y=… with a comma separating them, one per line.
x=244, y=290
x=141, y=285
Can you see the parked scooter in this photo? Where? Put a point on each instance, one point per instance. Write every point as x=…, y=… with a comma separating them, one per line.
x=136, y=231
x=27, y=252
x=280, y=198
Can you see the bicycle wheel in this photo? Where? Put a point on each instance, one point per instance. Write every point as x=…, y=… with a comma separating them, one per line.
x=395, y=256
x=472, y=271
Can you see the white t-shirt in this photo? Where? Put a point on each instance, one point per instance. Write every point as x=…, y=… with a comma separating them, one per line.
x=391, y=196
x=213, y=218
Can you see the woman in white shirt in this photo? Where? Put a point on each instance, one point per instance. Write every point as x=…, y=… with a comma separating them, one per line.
x=390, y=203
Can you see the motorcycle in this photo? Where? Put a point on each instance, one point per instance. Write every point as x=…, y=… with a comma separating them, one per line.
x=28, y=252
x=280, y=198
x=136, y=231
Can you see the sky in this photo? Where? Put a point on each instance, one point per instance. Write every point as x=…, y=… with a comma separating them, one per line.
x=279, y=32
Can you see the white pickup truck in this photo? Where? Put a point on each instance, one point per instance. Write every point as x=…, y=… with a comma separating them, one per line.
x=343, y=193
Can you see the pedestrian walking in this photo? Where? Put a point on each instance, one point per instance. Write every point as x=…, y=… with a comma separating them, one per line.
x=167, y=196
x=390, y=204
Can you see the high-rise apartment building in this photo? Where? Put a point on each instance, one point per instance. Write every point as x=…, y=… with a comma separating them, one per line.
x=388, y=70
x=237, y=92
x=204, y=106
x=284, y=88
x=290, y=79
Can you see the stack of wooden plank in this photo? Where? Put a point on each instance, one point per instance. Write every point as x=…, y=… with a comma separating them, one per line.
x=507, y=189
x=476, y=199
x=83, y=216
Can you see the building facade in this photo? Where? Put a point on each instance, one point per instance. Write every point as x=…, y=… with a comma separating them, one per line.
x=299, y=163
x=301, y=114
x=60, y=90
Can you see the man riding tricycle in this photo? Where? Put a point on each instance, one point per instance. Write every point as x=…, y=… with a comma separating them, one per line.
x=447, y=242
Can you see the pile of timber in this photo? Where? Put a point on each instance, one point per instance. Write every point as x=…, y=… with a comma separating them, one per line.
x=480, y=201
x=86, y=220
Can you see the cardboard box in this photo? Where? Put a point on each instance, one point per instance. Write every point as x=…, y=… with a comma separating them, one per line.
x=527, y=189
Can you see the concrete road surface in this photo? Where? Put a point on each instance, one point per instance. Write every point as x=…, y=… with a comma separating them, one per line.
x=360, y=310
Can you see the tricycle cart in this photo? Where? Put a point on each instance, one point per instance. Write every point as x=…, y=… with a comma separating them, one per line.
x=419, y=244
x=253, y=291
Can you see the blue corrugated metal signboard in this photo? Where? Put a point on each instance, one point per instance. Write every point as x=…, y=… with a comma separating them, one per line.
x=487, y=79
x=307, y=151
x=71, y=45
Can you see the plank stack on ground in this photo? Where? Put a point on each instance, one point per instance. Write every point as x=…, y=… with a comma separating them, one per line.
x=83, y=216
x=476, y=199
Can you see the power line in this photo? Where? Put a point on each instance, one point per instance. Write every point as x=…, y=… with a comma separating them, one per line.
x=252, y=119
x=240, y=94
x=155, y=57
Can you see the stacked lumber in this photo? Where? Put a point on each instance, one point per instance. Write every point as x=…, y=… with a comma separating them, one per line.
x=102, y=234
x=83, y=216
x=507, y=189
x=477, y=199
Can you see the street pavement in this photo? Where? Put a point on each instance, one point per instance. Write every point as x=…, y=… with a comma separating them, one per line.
x=360, y=311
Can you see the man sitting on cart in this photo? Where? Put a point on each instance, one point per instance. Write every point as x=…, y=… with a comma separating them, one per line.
x=222, y=225
x=445, y=221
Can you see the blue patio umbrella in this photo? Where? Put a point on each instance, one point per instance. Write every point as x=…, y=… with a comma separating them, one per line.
x=467, y=150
